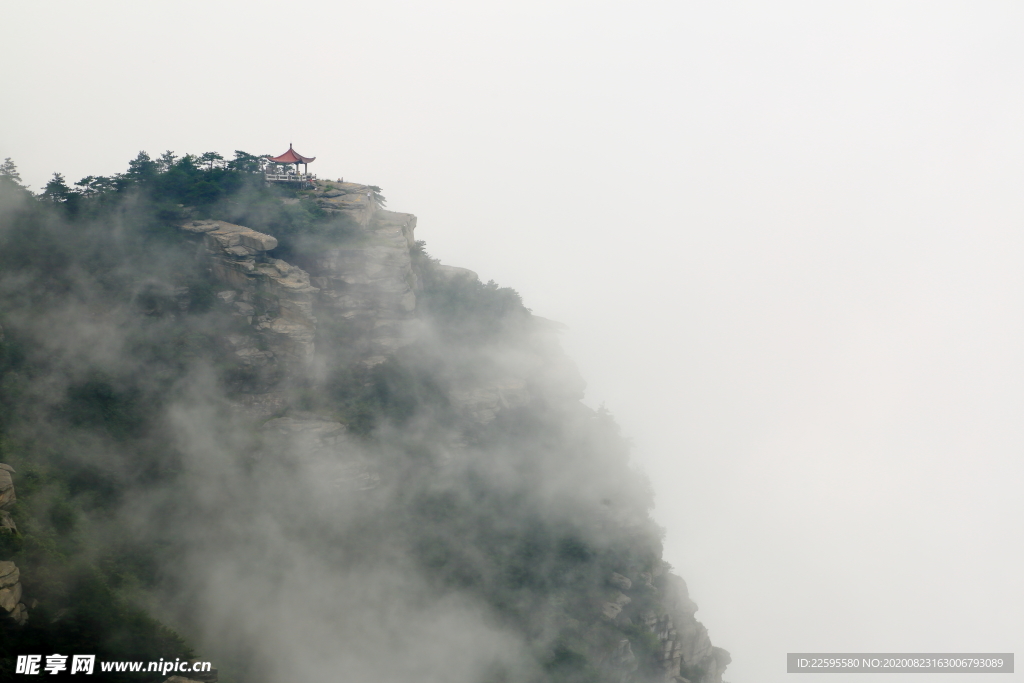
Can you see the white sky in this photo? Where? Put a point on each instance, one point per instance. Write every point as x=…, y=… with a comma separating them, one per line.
x=786, y=238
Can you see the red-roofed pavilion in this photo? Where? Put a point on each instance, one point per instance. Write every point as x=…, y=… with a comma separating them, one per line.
x=293, y=157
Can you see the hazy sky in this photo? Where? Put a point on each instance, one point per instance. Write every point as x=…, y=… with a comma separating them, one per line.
x=786, y=238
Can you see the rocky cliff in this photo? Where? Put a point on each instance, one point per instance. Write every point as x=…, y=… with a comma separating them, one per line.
x=10, y=576
x=262, y=426
x=370, y=286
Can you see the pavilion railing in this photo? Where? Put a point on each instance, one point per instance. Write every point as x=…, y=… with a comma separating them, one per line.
x=290, y=177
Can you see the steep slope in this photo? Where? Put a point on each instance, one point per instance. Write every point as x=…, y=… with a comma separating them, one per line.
x=321, y=453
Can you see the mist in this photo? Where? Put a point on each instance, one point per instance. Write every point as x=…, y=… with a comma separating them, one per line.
x=784, y=240
x=404, y=485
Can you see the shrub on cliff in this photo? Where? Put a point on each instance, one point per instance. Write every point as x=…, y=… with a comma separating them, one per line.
x=464, y=309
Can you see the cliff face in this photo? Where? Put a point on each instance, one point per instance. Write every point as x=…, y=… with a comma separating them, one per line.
x=368, y=283
x=10, y=576
x=267, y=419
x=269, y=294
x=371, y=285
x=367, y=299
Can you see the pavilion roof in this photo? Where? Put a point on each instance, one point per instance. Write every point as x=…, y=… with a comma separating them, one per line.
x=291, y=157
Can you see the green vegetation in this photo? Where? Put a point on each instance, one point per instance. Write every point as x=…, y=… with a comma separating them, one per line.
x=466, y=310
x=100, y=348
x=81, y=601
x=97, y=244
x=171, y=189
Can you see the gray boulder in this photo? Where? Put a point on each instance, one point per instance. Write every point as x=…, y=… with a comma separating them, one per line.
x=9, y=574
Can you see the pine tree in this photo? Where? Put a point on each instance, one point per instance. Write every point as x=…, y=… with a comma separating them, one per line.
x=141, y=169
x=210, y=158
x=57, y=190
x=9, y=176
x=166, y=161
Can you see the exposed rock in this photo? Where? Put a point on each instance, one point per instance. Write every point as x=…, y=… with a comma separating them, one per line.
x=7, y=496
x=452, y=272
x=670, y=656
x=245, y=310
x=228, y=235
x=686, y=648
x=721, y=659
x=611, y=609
x=620, y=581
x=9, y=574
x=371, y=283
x=7, y=499
x=248, y=351
x=349, y=199
x=677, y=597
x=272, y=295
x=10, y=591
x=694, y=644
x=621, y=662
x=10, y=597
